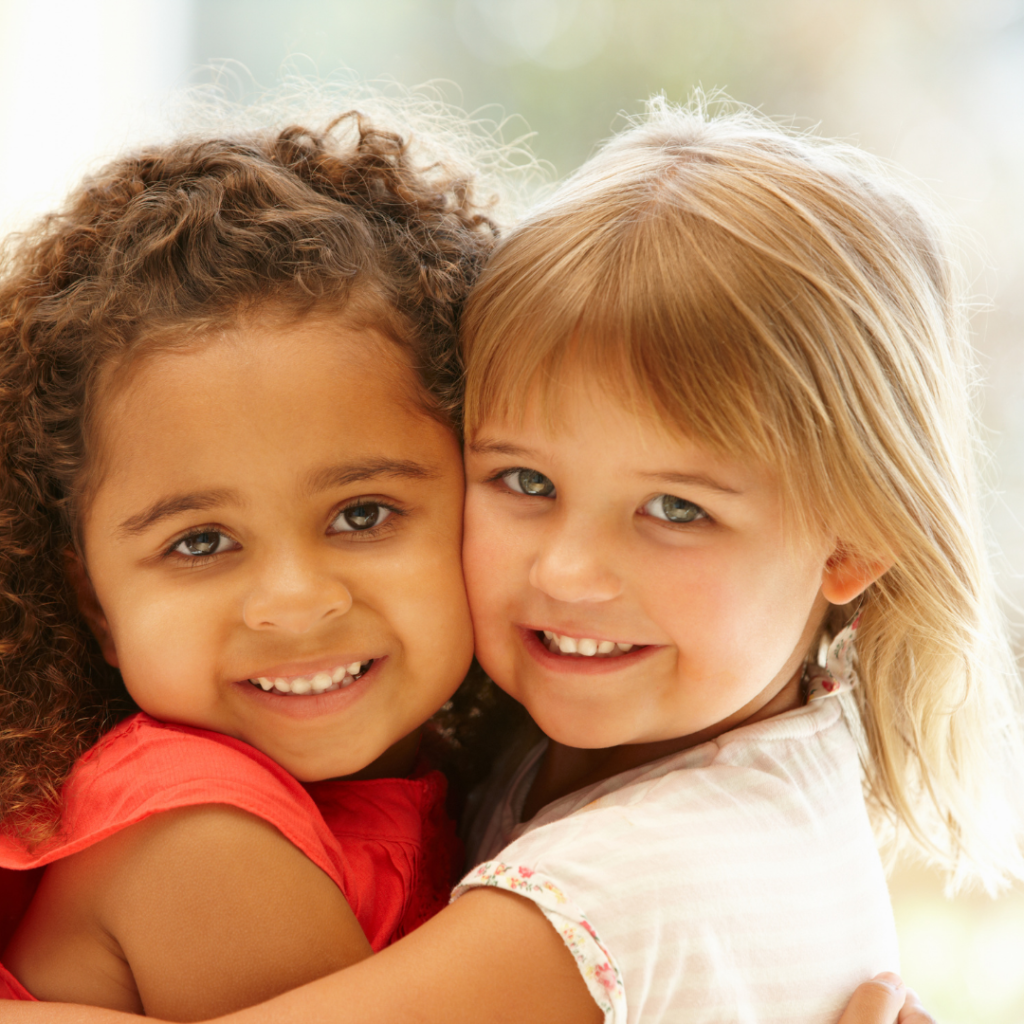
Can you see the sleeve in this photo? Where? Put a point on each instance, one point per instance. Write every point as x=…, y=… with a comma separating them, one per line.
x=144, y=767
x=12, y=989
x=595, y=961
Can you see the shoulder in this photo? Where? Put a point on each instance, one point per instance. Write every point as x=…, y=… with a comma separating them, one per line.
x=185, y=857
x=143, y=768
x=176, y=859
x=140, y=749
x=783, y=795
x=204, y=890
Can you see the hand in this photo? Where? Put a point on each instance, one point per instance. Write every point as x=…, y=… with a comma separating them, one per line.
x=885, y=1000
x=913, y=1012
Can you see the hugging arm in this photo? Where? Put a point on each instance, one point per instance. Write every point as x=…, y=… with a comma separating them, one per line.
x=490, y=958
x=185, y=915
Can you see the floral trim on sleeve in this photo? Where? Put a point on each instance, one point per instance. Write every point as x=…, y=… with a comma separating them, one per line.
x=596, y=964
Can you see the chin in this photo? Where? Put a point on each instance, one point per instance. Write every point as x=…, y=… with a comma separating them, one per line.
x=575, y=728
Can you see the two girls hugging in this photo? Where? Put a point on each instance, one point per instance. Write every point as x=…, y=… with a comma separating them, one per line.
x=688, y=456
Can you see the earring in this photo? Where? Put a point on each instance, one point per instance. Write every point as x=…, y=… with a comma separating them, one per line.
x=839, y=674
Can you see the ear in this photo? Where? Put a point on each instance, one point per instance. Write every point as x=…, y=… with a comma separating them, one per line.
x=847, y=577
x=89, y=605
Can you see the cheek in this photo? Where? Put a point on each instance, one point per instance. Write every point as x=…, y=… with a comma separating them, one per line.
x=490, y=561
x=166, y=643
x=776, y=616
x=744, y=606
x=485, y=564
x=424, y=602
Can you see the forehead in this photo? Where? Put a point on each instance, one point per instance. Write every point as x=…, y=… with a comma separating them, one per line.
x=567, y=395
x=250, y=408
x=620, y=430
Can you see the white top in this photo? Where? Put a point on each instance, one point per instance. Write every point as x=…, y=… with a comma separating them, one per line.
x=732, y=883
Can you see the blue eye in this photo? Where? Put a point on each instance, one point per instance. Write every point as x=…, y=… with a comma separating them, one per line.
x=529, y=481
x=204, y=543
x=363, y=516
x=674, y=510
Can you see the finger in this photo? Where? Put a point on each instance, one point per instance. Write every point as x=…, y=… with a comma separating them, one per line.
x=913, y=1012
x=877, y=1001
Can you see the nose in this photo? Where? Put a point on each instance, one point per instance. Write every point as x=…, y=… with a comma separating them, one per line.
x=295, y=593
x=573, y=564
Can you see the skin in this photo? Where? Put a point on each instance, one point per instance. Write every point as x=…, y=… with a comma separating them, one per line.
x=580, y=561
x=589, y=561
x=220, y=546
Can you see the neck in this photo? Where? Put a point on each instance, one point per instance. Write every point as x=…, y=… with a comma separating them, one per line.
x=564, y=769
x=395, y=763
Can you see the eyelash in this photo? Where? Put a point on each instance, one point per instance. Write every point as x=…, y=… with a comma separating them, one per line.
x=369, y=533
x=502, y=473
x=372, y=532
x=704, y=517
x=195, y=560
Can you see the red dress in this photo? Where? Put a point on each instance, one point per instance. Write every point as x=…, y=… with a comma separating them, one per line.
x=387, y=844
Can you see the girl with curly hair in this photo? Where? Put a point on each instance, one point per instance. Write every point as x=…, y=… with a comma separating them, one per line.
x=230, y=518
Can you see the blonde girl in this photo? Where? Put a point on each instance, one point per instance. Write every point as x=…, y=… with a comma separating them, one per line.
x=723, y=542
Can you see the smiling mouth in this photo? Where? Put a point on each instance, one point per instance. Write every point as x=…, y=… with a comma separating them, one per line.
x=583, y=647
x=316, y=683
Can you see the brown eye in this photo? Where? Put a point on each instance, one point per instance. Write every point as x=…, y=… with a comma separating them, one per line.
x=364, y=516
x=205, y=542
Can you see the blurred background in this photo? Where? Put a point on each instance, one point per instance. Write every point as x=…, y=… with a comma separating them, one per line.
x=937, y=85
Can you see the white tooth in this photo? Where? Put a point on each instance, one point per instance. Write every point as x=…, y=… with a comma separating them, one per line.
x=301, y=685
x=587, y=647
x=567, y=645
x=551, y=645
x=265, y=683
x=338, y=674
x=548, y=635
x=624, y=647
x=605, y=647
x=347, y=681
x=283, y=685
x=321, y=681
x=353, y=669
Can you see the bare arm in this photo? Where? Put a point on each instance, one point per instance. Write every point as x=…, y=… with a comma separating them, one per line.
x=490, y=958
x=186, y=915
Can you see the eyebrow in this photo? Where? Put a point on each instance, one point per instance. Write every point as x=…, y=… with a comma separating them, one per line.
x=691, y=480
x=486, y=447
x=353, y=472
x=176, y=504
x=318, y=480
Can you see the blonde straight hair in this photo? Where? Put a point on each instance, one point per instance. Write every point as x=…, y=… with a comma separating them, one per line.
x=789, y=301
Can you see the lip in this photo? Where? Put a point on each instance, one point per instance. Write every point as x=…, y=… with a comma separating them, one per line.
x=311, y=705
x=580, y=666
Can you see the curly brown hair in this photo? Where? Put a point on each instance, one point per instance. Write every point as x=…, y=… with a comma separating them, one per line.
x=181, y=238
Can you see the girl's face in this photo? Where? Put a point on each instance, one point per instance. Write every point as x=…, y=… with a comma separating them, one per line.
x=273, y=546
x=667, y=570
